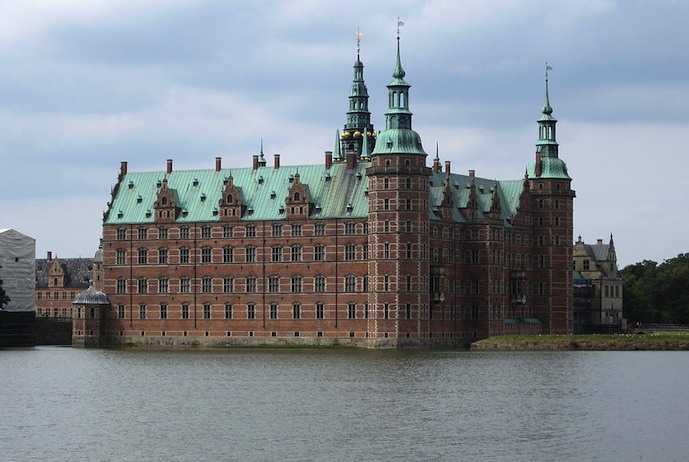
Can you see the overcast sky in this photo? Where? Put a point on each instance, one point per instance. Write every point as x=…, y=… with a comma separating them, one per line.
x=86, y=84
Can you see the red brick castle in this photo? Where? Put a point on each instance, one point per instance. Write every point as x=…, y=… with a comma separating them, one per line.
x=371, y=248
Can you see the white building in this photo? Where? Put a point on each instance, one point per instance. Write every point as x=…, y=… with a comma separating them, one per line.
x=18, y=269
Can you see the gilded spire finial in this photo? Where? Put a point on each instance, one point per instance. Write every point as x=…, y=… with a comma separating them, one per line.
x=358, y=42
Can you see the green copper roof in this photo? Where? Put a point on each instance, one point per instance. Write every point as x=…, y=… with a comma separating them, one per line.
x=551, y=167
x=334, y=193
x=398, y=141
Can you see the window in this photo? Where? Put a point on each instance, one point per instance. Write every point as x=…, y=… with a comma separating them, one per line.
x=296, y=311
x=408, y=249
x=121, y=257
x=184, y=255
x=251, y=284
x=227, y=284
x=250, y=253
x=273, y=284
x=350, y=283
x=277, y=230
x=163, y=311
x=319, y=310
x=142, y=233
x=207, y=284
x=296, y=230
x=365, y=310
x=206, y=311
x=251, y=311
x=120, y=311
x=366, y=227
x=296, y=283
x=319, y=229
x=408, y=183
x=386, y=311
x=386, y=250
x=206, y=254
x=250, y=231
x=350, y=252
x=162, y=256
x=121, y=234
x=205, y=232
x=143, y=256
x=587, y=264
x=163, y=285
x=228, y=310
x=408, y=311
x=296, y=253
x=273, y=311
x=143, y=285
x=121, y=287
x=227, y=254
x=319, y=284
x=386, y=183
x=142, y=311
x=184, y=285
x=276, y=253
x=184, y=232
x=351, y=311
x=408, y=282
x=386, y=282
x=350, y=228
x=319, y=252
x=364, y=251
x=227, y=231
x=386, y=204
x=386, y=226
x=364, y=283
x=185, y=311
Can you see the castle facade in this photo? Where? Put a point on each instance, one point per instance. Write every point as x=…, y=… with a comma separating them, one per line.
x=372, y=247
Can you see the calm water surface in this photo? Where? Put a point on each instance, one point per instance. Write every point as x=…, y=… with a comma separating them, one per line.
x=72, y=404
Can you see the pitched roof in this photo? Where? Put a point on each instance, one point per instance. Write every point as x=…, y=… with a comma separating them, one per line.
x=335, y=193
x=77, y=271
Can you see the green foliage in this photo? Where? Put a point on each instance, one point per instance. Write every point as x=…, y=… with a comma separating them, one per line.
x=3, y=296
x=657, y=293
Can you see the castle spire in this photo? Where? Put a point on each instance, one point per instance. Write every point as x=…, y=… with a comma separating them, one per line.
x=358, y=116
x=547, y=143
x=547, y=163
x=398, y=136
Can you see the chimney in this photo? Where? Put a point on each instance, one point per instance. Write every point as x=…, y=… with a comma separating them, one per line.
x=255, y=162
x=472, y=173
x=351, y=160
x=169, y=166
x=599, y=242
x=436, y=165
x=539, y=165
x=328, y=159
x=50, y=255
x=276, y=161
x=447, y=167
x=218, y=164
x=123, y=168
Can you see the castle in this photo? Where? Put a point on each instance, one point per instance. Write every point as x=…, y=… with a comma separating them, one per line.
x=371, y=247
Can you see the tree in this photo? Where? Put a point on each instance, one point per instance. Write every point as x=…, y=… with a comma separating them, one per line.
x=4, y=299
x=657, y=293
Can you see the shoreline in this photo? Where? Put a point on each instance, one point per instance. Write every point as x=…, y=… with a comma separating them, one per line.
x=656, y=341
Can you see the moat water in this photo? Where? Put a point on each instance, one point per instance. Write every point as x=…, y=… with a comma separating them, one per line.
x=65, y=404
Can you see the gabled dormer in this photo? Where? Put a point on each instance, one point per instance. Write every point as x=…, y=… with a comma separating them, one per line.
x=297, y=203
x=165, y=206
x=445, y=206
x=495, y=204
x=231, y=205
x=56, y=274
x=470, y=209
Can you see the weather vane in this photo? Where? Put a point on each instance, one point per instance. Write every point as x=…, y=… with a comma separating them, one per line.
x=399, y=24
x=358, y=41
x=547, y=68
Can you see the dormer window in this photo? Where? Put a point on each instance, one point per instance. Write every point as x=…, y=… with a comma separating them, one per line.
x=297, y=196
x=230, y=198
x=196, y=182
x=163, y=201
x=139, y=199
x=203, y=197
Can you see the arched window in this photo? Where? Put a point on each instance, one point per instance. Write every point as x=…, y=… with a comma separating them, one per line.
x=163, y=201
x=297, y=196
x=230, y=199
